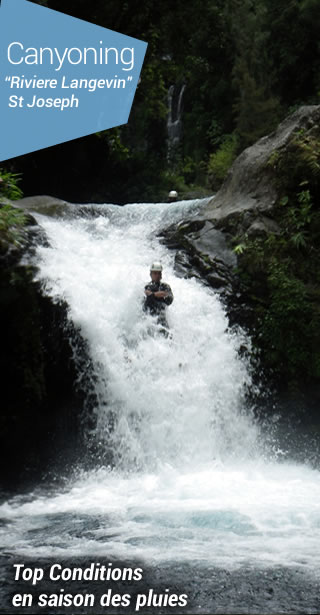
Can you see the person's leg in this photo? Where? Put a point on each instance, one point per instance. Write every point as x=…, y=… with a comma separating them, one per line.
x=163, y=324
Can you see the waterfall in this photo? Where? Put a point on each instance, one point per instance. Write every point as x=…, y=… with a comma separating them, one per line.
x=186, y=477
x=160, y=400
x=174, y=123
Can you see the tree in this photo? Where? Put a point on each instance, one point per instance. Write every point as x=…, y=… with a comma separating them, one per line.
x=256, y=108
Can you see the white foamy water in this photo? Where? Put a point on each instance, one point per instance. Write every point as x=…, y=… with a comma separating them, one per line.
x=189, y=480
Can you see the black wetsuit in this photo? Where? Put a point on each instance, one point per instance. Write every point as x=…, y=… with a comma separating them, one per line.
x=155, y=305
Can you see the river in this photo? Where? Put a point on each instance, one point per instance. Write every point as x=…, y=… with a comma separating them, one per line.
x=190, y=487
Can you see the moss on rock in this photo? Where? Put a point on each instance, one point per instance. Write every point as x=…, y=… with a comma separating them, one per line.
x=281, y=271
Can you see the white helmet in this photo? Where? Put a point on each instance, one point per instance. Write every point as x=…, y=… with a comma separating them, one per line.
x=156, y=267
x=173, y=194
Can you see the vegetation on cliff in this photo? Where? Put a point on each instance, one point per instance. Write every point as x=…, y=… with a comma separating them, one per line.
x=245, y=66
x=281, y=270
x=12, y=219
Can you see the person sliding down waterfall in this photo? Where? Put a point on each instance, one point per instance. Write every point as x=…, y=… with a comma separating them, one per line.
x=158, y=296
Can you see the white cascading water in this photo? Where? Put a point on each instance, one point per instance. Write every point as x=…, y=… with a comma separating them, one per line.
x=189, y=479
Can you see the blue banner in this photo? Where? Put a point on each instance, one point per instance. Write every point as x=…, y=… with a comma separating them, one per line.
x=61, y=78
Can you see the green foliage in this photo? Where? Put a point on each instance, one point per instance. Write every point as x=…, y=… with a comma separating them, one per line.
x=288, y=324
x=299, y=239
x=221, y=160
x=257, y=110
x=287, y=316
x=12, y=221
x=283, y=271
x=189, y=169
x=308, y=146
x=9, y=185
x=240, y=248
x=113, y=137
x=297, y=217
x=299, y=164
x=245, y=63
x=293, y=49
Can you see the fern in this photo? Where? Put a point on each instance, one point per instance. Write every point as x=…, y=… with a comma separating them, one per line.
x=240, y=248
x=12, y=220
x=9, y=185
x=299, y=239
x=309, y=148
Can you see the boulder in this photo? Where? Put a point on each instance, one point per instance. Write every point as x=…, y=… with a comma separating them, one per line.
x=46, y=205
x=250, y=190
x=202, y=251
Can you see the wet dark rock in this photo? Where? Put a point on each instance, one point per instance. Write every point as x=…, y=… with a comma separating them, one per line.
x=202, y=251
x=40, y=413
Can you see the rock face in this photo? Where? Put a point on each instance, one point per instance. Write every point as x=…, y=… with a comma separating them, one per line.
x=40, y=402
x=243, y=206
x=202, y=251
x=47, y=205
x=250, y=191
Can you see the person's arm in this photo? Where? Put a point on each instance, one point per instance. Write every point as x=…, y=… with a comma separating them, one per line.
x=169, y=298
x=165, y=294
x=147, y=290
